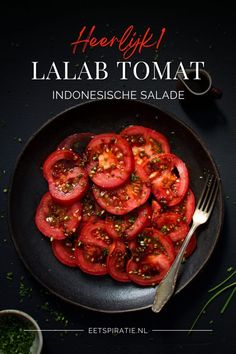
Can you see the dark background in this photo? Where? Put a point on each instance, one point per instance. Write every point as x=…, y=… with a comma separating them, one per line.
x=44, y=35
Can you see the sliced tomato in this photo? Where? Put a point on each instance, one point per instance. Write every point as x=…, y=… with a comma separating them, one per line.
x=67, y=179
x=152, y=256
x=190, y=248
x=124, y=199
x=63, y=250
x=117, y=261
x=185, y=208
x=128, y=226
x=168, y=176
x=145, y=142
x=93, y=247
x=76, y=142
x=57, y=221
x=110, y=160
x=91, y=209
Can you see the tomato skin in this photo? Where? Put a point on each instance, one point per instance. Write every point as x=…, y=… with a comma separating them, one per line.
x=54, y=228
x=66, y=185
x=76, y=142
x=92, y=247
x=116, y=262
x=110, y=160
x=129, y=225
x=63, y=250
x=145, y=142
x=152, y=256
x=91, y=209
x=168, y=188
x=124, y=199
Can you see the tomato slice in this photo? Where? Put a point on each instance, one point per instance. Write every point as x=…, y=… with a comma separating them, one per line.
x=128, y=226
x=57, y=221
x=110, y=160
x=93, y=247
x=145, y=142
x=124, y=199
x=63, y=250
x=67, y=179
x=152, y=256
x=190, y=248
x=91, y=209
x=117, y=261
x=168, y=176
x=76, y=142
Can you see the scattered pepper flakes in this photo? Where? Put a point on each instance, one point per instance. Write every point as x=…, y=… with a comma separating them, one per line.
x=24, y=291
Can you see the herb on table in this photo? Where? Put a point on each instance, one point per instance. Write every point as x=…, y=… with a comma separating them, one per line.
x=218, y=290
x=13, y=337
x=9, y=276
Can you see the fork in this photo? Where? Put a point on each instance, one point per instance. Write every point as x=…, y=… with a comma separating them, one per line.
x=201, y=214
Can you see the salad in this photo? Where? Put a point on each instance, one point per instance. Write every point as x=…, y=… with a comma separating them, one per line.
x=117, y=204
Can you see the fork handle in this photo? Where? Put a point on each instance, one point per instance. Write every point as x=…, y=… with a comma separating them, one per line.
x=167, y=286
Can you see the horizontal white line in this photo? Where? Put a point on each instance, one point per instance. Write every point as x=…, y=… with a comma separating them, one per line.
x=54, y=330
x=182, y=330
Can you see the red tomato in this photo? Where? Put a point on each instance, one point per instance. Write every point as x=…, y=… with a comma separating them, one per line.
x=169, y=178
x=93, y=247
x=186, y=207
x=128, y=226
x=57, y=221
x=67, y=179
x=63, y=250
x=122, y=200
x=76, y=142
x=190, y=248
x=110, y=160
x=145, y=142
x=117, y=261
x=152, y=256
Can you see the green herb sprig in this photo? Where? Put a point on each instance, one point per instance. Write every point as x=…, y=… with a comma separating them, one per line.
x=217, y=290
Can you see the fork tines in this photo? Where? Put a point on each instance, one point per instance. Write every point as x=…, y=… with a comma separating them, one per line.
x=209, y=193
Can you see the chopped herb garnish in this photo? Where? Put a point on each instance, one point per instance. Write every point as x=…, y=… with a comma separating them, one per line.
x=132, y=219
x=56, y=315
x=216, y=294
x=24, y=291
x=13, y=337
x=133, y=177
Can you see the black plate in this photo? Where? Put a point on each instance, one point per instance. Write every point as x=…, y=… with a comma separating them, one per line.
x=28, y=185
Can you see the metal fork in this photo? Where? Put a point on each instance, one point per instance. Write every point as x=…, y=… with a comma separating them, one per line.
x=202, y=212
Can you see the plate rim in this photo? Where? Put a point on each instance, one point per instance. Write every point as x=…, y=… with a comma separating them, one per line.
x=173, y=116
